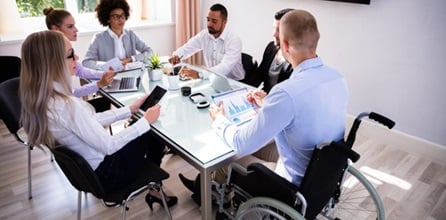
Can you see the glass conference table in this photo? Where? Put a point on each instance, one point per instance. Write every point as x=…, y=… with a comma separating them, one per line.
x=186, y=128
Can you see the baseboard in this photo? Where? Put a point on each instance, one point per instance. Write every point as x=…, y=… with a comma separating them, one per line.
x=403, y=141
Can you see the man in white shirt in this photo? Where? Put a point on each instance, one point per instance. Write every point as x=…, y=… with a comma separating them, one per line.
x=221, y=48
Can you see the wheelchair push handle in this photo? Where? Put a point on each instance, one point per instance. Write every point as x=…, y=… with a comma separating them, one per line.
x=382, y=119
x=371, y=115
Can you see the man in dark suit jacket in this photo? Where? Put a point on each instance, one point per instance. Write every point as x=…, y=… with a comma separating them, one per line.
x=274, y=68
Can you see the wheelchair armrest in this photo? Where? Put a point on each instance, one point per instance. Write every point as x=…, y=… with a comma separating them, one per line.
x=258, y=180
x=237, y=167
x=271, y=176
x=282, y=183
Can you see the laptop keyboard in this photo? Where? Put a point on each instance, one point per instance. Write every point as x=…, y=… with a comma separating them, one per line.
x=127, y=82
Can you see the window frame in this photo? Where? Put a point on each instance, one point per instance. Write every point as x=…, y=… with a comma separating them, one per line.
x=158, y=11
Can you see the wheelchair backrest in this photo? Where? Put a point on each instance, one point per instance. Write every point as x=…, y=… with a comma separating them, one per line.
x=323, y=175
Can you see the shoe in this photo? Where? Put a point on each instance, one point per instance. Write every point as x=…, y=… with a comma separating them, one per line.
x=170, y=200
x=168, y=150
x=189, y=184
x=196, y=198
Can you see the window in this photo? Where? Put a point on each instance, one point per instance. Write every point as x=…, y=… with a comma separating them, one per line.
x=142, y=12
x=86, y=5
x=33, y=8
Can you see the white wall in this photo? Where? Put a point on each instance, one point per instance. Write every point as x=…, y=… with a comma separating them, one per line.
x=391, y=53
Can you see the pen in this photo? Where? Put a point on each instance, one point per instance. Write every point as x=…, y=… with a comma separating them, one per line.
x=181, y=69
x=260, y=87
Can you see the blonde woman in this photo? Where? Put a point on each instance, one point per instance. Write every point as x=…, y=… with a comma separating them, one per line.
x=51, y=115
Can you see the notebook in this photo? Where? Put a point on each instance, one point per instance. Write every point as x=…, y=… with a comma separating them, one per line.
x=237, y=109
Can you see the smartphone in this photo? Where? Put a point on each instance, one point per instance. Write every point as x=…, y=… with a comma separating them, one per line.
x=154, y=97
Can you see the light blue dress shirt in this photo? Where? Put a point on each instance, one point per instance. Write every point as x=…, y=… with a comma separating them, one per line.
x=307, y=109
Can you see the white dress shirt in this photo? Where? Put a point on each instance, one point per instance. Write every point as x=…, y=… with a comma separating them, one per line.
x=75, y=124
x=222, y=55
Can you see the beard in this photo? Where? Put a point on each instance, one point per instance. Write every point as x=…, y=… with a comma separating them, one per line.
x=213, y=31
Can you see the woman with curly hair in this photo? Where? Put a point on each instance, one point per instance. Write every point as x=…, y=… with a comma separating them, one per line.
x=116, y=41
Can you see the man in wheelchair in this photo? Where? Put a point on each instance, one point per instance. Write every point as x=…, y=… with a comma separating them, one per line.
x=298, y=113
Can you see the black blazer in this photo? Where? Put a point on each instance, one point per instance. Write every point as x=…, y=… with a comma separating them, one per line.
x=263, y=70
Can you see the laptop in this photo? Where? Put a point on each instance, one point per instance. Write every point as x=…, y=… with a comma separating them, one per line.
x=125, y=81
x=237, y=109
x=220, y=83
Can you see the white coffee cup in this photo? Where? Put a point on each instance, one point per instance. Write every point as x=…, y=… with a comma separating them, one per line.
x=172, y=82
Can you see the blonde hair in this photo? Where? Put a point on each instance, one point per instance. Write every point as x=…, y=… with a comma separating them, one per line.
x=43, y=63
x=300, y=30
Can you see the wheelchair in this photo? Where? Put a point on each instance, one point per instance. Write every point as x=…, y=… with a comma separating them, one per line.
x=330, y=189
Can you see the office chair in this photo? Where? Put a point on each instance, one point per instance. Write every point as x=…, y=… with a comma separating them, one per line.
x=250, y=66
x=10, y=67
x=10, y=108
x=84, y=179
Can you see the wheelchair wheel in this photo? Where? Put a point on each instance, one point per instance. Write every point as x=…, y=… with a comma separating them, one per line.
x=358, y=199
x=266, y=208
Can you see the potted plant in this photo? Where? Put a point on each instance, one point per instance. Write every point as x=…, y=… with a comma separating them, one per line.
x=155, y=67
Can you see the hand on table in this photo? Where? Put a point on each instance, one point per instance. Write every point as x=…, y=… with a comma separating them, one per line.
x=215, y=110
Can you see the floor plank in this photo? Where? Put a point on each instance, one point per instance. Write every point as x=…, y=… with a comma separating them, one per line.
x=411, y=187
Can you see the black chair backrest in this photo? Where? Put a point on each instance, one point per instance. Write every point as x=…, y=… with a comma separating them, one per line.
x=10, y=67
x=250, y=66
x=323, y=174
x=78, y=171
x=10, y=106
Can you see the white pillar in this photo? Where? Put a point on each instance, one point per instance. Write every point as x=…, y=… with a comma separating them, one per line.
x=10, y=22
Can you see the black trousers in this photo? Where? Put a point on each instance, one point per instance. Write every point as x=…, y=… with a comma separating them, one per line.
x=122, y=167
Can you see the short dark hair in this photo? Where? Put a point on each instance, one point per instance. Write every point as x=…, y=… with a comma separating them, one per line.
x=221, y=9
x=104, y=8
x=281, y=13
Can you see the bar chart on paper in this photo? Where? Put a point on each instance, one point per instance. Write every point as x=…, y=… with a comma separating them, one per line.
x=237, y=108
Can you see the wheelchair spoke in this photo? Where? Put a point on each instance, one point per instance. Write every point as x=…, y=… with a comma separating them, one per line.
x=358, y=200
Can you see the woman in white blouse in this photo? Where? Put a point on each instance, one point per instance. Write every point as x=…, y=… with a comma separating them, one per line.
x=51, y=115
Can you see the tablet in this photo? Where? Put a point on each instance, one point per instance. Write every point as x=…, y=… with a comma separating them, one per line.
x=154, y=97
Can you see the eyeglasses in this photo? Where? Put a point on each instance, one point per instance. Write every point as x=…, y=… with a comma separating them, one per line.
x=118, y=17
x=72, y=55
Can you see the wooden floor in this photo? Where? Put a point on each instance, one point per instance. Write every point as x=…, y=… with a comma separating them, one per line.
x=411, y=187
